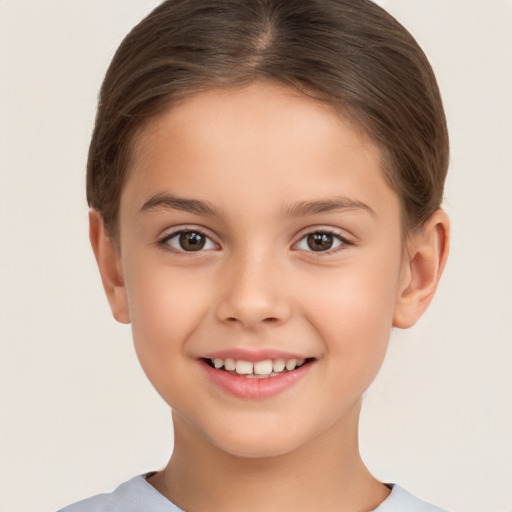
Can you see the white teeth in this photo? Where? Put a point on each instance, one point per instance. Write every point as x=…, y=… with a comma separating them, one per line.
x=244, y=367
x=263, y=367
x=229, y=364
x=279, y=365
x=291, y=364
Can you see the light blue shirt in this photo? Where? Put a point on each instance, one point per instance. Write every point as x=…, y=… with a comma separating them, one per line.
x=137, y=495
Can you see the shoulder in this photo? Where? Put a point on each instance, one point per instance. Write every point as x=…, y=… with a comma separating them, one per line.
x=99, y=503
x=135, y=495
x=401, y=500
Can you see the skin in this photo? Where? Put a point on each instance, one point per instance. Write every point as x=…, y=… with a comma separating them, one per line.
x=253, y=155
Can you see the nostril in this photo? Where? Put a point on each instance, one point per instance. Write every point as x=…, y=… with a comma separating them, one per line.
x=268, y=320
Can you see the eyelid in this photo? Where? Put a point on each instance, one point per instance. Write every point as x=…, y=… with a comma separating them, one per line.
x=173, y=232
x=345, y=240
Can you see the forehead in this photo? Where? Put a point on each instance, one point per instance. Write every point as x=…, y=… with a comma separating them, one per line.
x=262, y=140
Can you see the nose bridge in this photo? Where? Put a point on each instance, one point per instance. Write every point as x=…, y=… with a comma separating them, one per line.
x=253, y=289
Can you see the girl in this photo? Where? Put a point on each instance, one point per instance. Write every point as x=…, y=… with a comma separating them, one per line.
x=265, y=180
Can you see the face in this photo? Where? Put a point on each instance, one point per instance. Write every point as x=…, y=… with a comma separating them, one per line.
x=257, y=233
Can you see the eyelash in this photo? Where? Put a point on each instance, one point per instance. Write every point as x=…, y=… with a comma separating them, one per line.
x=164, y=241
x=342, y=241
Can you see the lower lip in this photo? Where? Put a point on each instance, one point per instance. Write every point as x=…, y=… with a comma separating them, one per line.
x=254, y=388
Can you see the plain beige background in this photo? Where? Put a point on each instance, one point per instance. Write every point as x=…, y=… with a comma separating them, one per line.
x=77, y=414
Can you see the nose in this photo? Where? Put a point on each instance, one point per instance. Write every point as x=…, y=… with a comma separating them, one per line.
x=253, y=293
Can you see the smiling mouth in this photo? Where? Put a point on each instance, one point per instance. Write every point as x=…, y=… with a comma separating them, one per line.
x=257, y=370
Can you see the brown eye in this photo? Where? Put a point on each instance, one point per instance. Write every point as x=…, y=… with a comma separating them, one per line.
x=192, y=241
x=320, y=241
x=188, y=241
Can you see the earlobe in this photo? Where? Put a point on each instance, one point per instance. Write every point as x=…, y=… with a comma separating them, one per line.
x=424, y=264
x=109, y=264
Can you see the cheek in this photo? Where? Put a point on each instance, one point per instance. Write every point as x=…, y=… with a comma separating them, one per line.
x=165, y=310
x=162, y=298
x=353, y=312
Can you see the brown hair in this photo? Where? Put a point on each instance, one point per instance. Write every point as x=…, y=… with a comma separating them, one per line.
x=350, y=53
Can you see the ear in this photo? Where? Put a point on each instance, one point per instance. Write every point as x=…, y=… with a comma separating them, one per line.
x=424, y=262
x=109, y=264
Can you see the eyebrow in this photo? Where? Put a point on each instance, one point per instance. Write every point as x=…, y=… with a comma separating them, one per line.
x=179, y=203
x=304, y=208
x=299, y=209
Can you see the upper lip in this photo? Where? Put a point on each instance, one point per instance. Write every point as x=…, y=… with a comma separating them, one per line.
x=254, y=355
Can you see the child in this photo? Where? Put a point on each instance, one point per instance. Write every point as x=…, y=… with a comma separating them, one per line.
x=265, y=180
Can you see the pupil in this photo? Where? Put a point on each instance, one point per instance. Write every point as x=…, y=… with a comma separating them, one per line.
x=192, y=241
x=320, y=241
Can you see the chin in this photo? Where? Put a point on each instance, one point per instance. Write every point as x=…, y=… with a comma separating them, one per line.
x=256, y=450
x=257, y=442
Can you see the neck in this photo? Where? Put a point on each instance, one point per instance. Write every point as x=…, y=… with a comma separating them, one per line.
x=326, y=474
